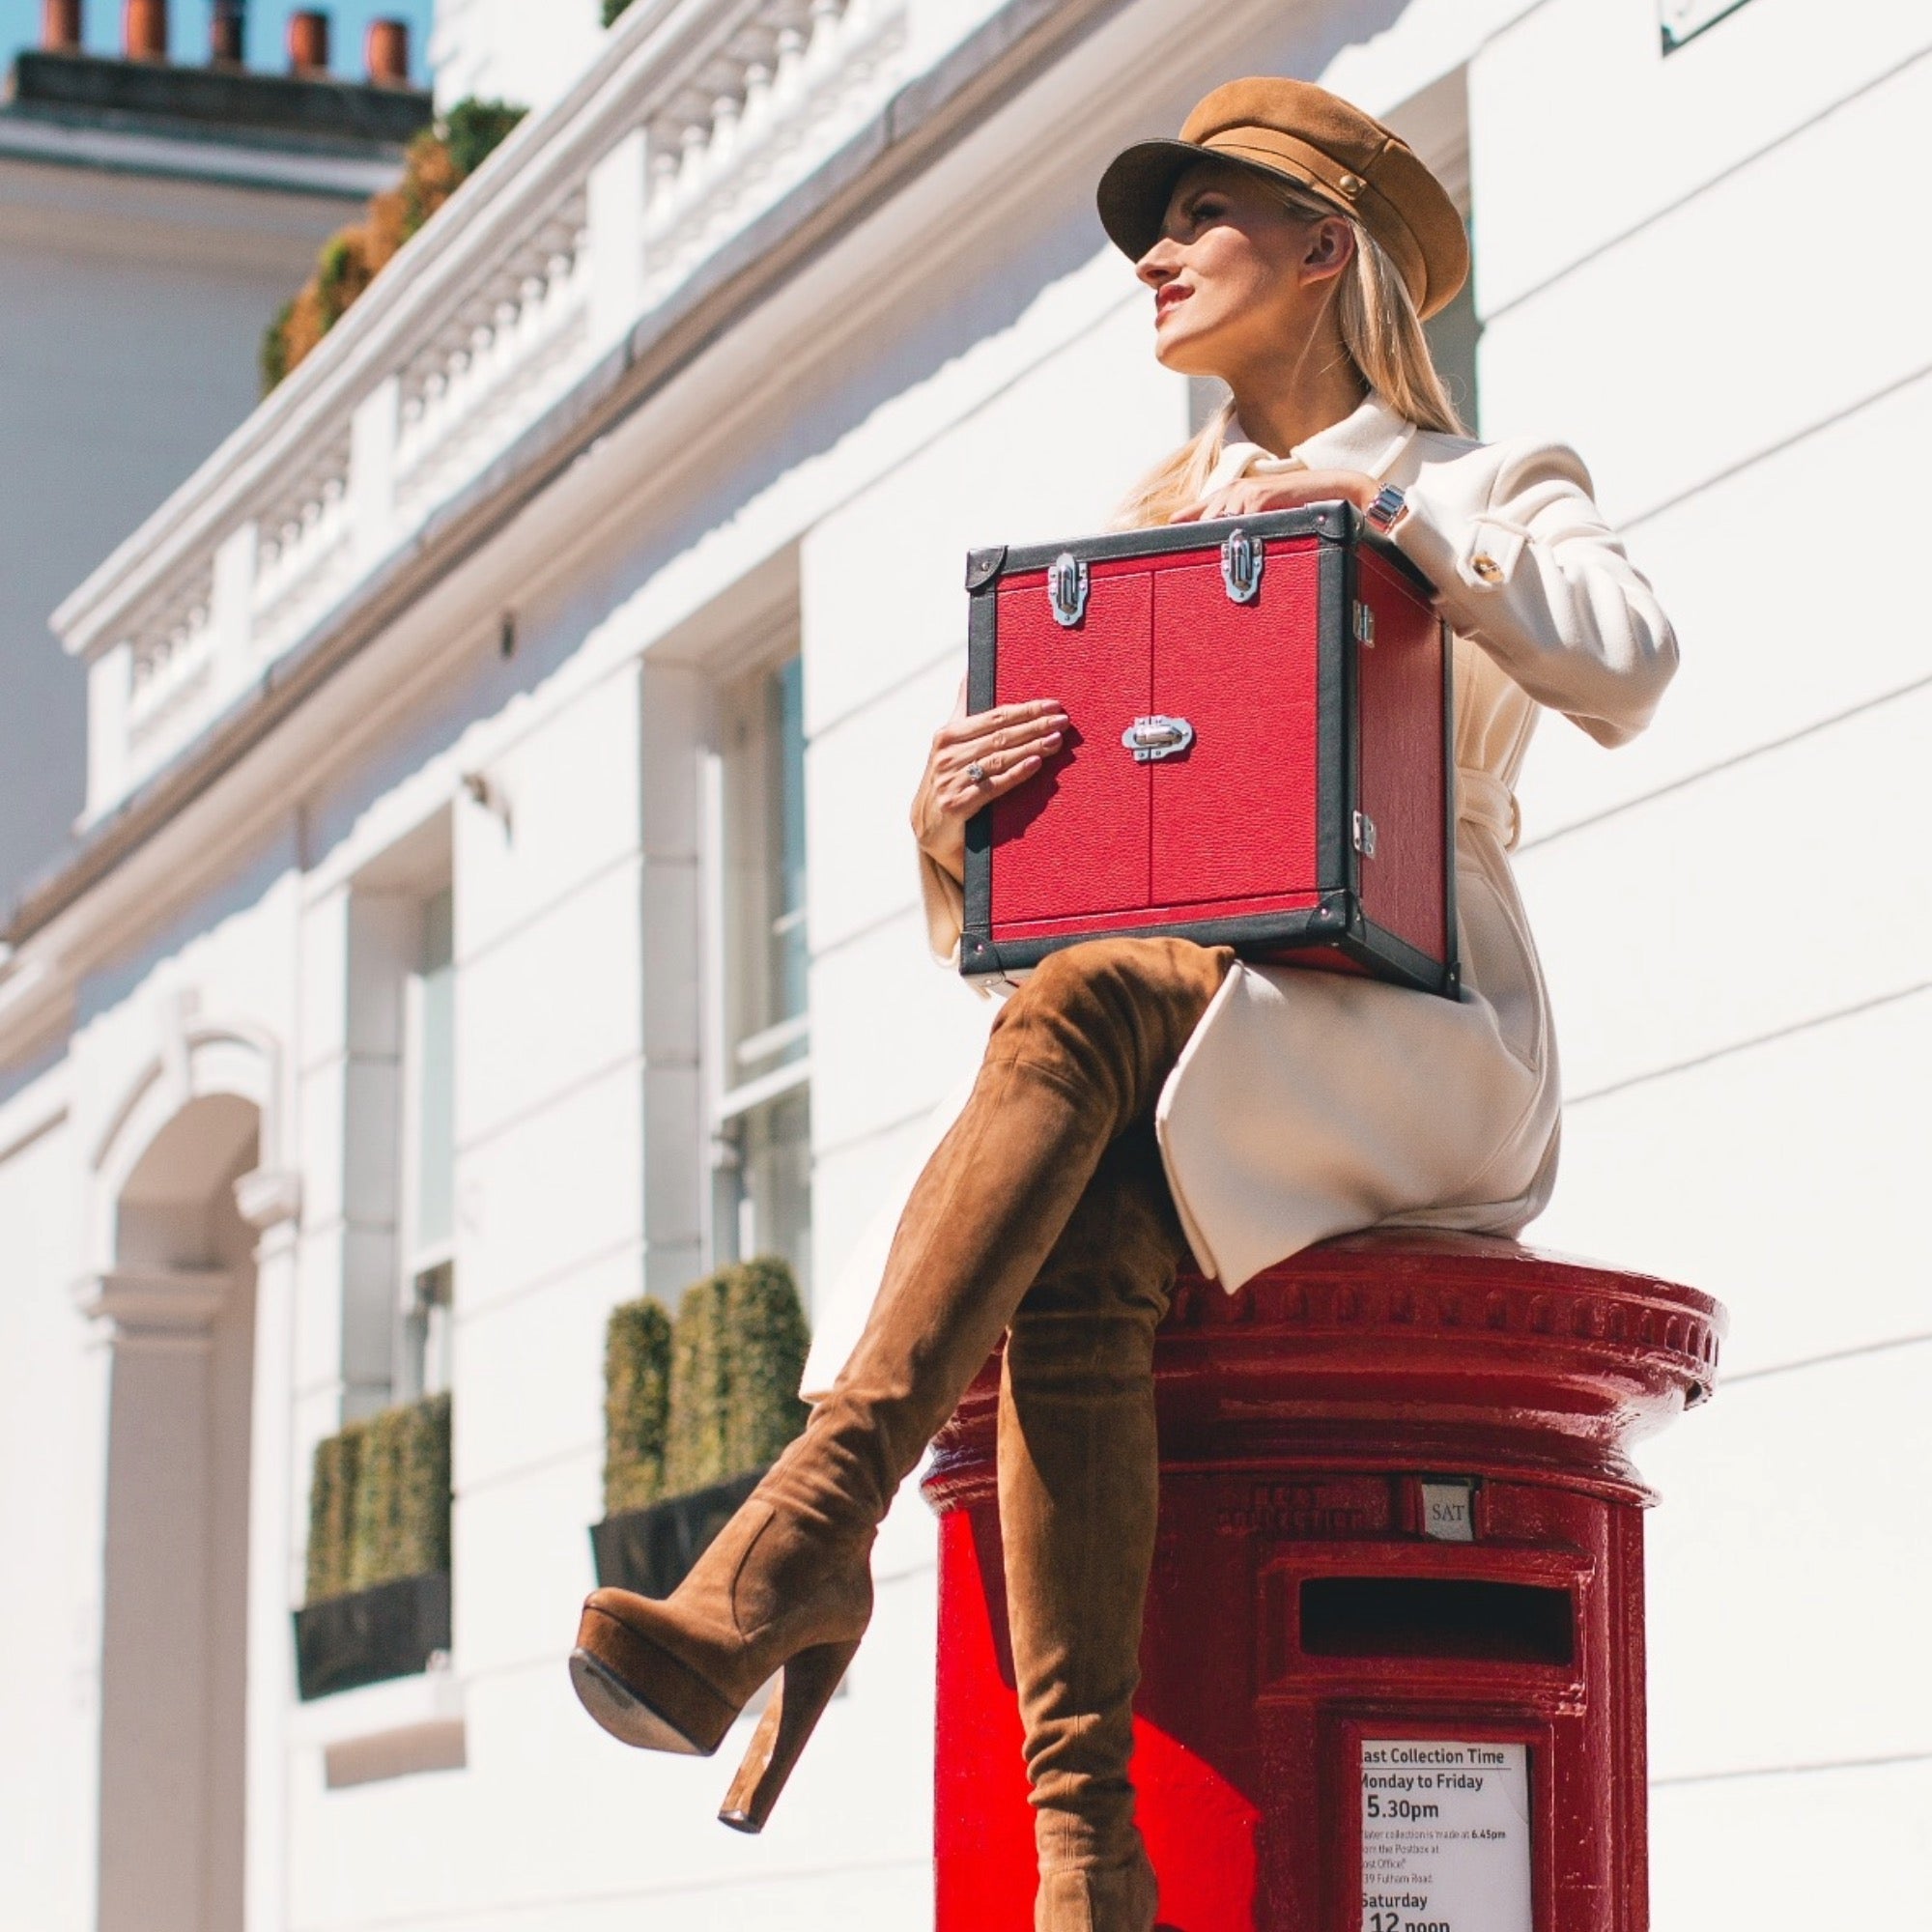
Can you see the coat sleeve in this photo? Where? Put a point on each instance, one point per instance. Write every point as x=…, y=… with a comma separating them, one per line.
x=945, y=910
x=1525, y=567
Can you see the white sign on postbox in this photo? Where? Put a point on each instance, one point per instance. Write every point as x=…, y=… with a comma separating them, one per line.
x=1445, y=1836
x=1449, y=1512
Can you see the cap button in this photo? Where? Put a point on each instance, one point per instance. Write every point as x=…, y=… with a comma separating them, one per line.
x=1350, y=185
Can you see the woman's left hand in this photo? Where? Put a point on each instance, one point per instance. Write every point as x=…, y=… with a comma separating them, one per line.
x=1294, y=490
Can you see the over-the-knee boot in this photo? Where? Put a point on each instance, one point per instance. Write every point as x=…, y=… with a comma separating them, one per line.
x=1079, y=1492
x=1076, y=1056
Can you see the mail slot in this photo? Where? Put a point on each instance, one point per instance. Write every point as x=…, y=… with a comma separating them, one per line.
x=1442, y=1617
x=1392, y=1669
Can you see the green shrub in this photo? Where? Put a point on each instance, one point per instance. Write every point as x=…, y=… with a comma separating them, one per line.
x=274, y=356
x=424, y=1529
x=636, y=1404
x=332, y=1505
x=769, y=1340
x=700, y=1389
x=473, y=129
x=378, y=1504
x=737, y=1352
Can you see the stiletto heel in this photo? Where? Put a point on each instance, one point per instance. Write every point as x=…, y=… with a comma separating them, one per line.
x=804, y=1690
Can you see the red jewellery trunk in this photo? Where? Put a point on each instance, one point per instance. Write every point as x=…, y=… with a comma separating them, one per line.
x=1258, y=752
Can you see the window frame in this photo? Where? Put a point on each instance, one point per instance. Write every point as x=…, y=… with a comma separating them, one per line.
x=423, y=1321
x=728, y=1103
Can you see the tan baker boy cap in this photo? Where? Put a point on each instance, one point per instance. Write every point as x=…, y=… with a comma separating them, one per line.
x=1315, y=139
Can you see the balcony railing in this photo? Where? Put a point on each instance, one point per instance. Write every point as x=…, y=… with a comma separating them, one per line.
x=696, y=117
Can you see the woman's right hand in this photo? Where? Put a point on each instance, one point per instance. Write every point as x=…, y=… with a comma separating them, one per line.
x=1004, y=747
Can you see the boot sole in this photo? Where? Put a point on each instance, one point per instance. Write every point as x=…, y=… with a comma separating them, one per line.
x=641, y=1694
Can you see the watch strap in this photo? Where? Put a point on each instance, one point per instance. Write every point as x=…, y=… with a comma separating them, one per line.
x=1388, y=508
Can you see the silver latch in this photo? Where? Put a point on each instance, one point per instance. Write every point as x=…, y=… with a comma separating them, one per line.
x=1241, y=560
x=1066, y=587
x=1365, y=834
x=1365, y=627
x=1151, y=739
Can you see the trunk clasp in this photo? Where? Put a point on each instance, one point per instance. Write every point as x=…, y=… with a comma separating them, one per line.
x=1151, y=739
x=1241, y=560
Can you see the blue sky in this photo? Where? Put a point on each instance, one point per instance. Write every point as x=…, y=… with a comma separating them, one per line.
x=187, y=30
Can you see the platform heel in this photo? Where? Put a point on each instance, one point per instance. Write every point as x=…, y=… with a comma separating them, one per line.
x=643, y=1693
x=805, y=1688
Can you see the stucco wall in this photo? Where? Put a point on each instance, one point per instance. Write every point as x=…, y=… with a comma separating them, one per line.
x=131, y=313
x=1733, y=911
x=54, y=1433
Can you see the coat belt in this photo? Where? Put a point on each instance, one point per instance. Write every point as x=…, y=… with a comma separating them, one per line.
x=1483, y=799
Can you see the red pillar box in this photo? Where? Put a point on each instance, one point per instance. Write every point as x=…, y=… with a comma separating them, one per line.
x=1393, y=1662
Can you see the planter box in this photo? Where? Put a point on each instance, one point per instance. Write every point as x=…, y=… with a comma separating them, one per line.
x=652, y=1550
x=390, y=1630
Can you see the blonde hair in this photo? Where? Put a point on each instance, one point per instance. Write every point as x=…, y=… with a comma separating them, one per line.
x=1382, y=336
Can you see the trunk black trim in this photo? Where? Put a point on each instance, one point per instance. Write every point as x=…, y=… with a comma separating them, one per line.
x=1334, y=522
x=1339, y=922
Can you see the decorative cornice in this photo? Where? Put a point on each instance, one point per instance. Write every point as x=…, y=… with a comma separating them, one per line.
x=266, y=1198
x=1407, y=1350
x=156, y=1309
x=155, y=156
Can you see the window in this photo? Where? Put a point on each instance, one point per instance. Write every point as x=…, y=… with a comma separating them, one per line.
x=760, y=1038
x=428, y=1231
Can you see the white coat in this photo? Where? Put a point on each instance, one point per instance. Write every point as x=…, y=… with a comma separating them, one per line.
x=1308, y=1104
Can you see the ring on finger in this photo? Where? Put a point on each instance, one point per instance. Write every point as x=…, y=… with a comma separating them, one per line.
x=976, y=772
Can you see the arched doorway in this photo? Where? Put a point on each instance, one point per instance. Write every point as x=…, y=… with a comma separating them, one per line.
x=180, y=1296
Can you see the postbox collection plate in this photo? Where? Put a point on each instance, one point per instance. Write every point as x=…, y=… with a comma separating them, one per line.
x=1445, y=1835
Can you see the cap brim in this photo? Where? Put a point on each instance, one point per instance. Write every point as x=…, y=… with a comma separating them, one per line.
x=1140, y=182
x=1135, y=189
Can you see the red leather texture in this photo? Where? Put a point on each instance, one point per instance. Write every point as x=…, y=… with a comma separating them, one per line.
x=1234, y=818
x=1402, y=751
x=1226, y=830
x=1073, y=840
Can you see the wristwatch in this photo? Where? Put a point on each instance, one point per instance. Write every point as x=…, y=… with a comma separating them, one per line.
x=1389, y=507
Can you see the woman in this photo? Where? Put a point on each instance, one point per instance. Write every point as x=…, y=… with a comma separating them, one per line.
x=1142, y=1099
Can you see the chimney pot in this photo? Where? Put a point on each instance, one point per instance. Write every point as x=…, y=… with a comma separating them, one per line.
x=386, y=53
x=144, y=30
x=60, y=26
x=308, y=42
x=227, y=34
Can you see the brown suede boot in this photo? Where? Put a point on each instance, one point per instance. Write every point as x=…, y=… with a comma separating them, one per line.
x=1076, y=1056
x=1079, y=1495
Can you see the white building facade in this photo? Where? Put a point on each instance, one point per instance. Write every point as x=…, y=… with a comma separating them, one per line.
x=495, y=900
x=142, y=252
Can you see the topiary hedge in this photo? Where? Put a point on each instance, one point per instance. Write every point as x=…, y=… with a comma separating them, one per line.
x=379, y=1501
x=636, y=1404
x=769, y=1343
x=331, y=1514
x=736, y=1353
